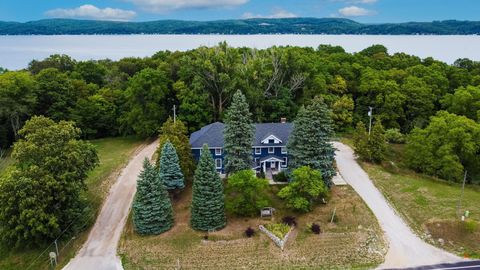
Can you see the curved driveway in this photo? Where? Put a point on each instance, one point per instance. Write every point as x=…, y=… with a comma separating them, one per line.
x=100, y=250
x=405, y=248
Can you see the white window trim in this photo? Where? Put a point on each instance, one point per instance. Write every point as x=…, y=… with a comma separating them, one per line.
x=259, y=152
x=216, y=163
x=285, y=162
x=284, y=150
x=273, y=150
x=271, y=137
x=217, y=153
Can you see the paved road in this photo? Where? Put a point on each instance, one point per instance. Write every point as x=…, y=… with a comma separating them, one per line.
x=467, y=265
x=405, y=248
x=100, y=250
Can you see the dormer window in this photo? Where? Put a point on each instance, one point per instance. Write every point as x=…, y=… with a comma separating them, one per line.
x=271, y=139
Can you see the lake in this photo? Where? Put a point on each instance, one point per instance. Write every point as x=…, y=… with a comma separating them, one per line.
x=17, y=51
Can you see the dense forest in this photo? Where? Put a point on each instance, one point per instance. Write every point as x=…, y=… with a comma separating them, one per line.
x=421, y=97
x=247, y=26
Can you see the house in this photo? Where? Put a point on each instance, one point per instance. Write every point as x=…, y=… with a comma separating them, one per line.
x=269, y=151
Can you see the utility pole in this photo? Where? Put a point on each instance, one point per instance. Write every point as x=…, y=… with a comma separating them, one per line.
x=459, y=205
x=174, y=113
x=370, y=112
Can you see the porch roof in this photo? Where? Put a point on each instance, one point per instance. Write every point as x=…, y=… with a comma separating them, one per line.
x=271, y=158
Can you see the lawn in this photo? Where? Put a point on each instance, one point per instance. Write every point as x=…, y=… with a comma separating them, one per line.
x=429, y=205
x=113, y=154
x=353, y=242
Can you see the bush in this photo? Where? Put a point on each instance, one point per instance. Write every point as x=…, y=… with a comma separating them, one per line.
x=289, y=220
x=394, y=135
x=306, y=188
x=471, y=226
x=249, y=232
x=278, y=229
x=280, y=177
x=246, y=194
x=315, y=228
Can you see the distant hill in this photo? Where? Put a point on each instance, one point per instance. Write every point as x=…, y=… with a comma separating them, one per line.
x=248, y=26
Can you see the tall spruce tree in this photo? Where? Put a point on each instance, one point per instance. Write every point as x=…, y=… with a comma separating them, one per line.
x=238, y=135
x=309, y=144
x=152, y=209
x=170, y=172
x=208, y=202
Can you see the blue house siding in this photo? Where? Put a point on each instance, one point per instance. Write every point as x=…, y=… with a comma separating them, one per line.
x=196, y=156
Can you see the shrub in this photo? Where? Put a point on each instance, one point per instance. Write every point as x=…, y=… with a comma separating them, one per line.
x=280, y=177
x=289, y=220
x=278, y=229
x=246, y=194
x=471, y=226
x=304, y=190
x=315, y=228
x=394, y=135
x=249, y=232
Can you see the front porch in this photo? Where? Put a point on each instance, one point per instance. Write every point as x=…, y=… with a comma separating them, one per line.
x=271, y=165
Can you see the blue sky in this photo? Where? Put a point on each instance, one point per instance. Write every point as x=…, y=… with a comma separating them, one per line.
x=368, y=11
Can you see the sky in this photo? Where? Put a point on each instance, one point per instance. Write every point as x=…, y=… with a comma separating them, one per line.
x=366, y=11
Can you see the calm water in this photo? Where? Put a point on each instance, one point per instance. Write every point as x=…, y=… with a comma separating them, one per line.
x=17, y=51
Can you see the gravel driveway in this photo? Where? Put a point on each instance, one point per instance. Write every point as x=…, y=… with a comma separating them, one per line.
x=100, y=250
x=405, y=248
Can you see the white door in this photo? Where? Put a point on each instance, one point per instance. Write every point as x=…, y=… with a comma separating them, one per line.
x=272, y=164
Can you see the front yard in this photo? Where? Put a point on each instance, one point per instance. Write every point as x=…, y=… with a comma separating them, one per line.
x=353, y=242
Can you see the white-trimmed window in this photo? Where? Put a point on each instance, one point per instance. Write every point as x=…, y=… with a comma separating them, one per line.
x=284, y=150
x=218, y=151
x=218, y=163
x=258, y=150
x=271, y=150
x=256, y=162
x=284, y=162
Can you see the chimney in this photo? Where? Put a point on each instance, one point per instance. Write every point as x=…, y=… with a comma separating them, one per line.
x=283, y=120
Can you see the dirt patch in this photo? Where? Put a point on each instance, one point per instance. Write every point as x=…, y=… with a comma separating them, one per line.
x=455, y=235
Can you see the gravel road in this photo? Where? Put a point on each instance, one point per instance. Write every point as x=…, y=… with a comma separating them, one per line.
x=100, y=250
x=405, y=248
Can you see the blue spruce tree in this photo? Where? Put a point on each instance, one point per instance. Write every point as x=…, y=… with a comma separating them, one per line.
x=170, y=172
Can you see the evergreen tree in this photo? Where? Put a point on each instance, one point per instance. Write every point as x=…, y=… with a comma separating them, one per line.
x=152, y=209
x=309, y=144
x=371, y=147
x=378, y=143
x=208, y=203
x=176, y=133
x=170, y=172
x=360, y=141
x=238, y=134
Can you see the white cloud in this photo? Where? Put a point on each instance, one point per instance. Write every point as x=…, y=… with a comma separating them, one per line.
x=93, y=12
x=354, y=11
x=276, y=14
x=364, y=1
x=166, y=5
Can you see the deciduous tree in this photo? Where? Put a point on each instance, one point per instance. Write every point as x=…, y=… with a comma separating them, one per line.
x=246, y=193
x=41, y=197
x=306, y=187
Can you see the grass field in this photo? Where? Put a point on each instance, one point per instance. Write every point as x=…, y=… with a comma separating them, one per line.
x=429, y=205
x=354, y=242
x=113, y=154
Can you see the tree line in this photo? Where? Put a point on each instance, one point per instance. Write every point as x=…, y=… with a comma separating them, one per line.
x=136, y=95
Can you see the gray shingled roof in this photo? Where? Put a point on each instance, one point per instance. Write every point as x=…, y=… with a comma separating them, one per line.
x=213, y=134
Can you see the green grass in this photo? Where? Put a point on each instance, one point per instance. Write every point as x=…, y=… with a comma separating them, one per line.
x=113, y=154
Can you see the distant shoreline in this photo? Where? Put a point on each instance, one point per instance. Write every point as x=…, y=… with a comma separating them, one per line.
x=298, y=26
